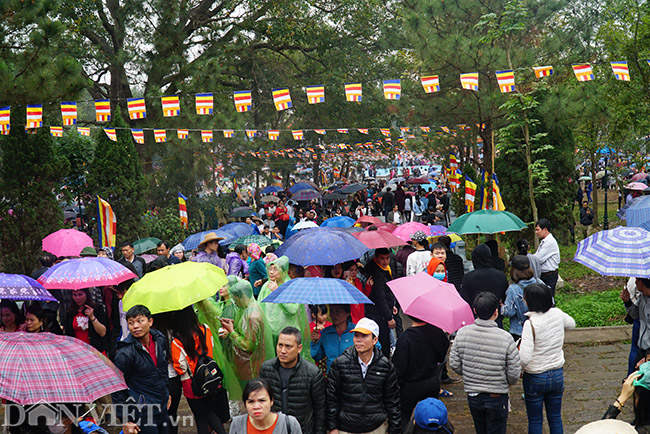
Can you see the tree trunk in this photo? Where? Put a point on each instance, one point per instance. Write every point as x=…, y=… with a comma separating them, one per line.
x=531, y=191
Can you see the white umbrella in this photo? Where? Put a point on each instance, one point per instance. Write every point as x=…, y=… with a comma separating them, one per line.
x=305, y=225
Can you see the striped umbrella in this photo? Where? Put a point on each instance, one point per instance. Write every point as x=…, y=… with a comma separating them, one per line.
x=622, y=251
x=317, y=290
x=638, y=212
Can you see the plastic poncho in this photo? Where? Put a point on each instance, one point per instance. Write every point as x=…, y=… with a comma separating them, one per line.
x=281, y=315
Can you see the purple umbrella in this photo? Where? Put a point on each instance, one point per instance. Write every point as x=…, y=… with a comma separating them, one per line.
x=437, y=230
x=85, y=273
x=304, y=195
x=622, y=251
x=20, y=287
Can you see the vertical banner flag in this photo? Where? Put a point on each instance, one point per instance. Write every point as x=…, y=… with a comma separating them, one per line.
x=453, y=162
x=470, y=194
x=621, y=71
x=138, y=135
x=228, y=133
x=497, y=201
x=353, y=92
x=206, y=136
x=282, y=99
x=5, y=118
x=297, y=134
x=506, y=80
x=56, y=131
x=251, y=133
x=315, y=94
x=486, y=191
x=469, y=80
x=182, y=209
x=83, y=131
x=102, y=110
x=69, y=112
x=171, y=105
x=583, y=72
x=34, y=116
x=543, y=71
x=110, y=132
x=107, y=224
x=274, y=134
x=243, y=100
x=235, y=187
x=204, y=103
x=430, y=84
x=137, y=108
x=160, y=136
x=183, y=134
x=392, y=89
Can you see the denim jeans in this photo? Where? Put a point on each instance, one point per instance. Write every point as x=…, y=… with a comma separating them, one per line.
x=544, y=389
x=490, y=413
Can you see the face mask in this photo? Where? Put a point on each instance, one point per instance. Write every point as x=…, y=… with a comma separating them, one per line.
x=57, y=429
x=439, y=276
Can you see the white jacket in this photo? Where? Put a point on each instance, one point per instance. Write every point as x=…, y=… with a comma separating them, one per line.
x=543, y=351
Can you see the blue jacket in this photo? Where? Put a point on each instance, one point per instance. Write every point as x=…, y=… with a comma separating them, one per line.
x=331, y=345
x=514, y=306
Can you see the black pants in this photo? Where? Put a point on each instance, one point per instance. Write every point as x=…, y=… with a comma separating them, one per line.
x=175, y=390
x=205, y=416
x=550, y=278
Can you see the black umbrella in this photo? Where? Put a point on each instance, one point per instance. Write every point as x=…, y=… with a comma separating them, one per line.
x=353, y=188
x=242, y=211
x=334, y=196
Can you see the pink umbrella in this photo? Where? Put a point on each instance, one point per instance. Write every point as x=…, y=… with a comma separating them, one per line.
x=377, y=239
x=433, y=301
x=66, y=242
x=148, y=257
x=85, y=273
x=407, y=229
x=636, y=186
x=639, y=176
x=370, y=220
x=388, y=227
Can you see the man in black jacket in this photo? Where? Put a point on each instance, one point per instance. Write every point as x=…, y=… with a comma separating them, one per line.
x=382, y=311
x=484, y=278
x=142, y=357
x=298, y=386
x=129, y=256
x=362, y=390
x=453, y=263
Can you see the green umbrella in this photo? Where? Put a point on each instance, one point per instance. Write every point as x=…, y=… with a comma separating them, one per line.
x=487, y=221
x=175, y=287
x=586, y=178
x=260, y=240
x=242, y=211
x=143, y=244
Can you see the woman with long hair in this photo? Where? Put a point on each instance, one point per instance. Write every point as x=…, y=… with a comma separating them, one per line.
x=86, y=321
x=11, y=317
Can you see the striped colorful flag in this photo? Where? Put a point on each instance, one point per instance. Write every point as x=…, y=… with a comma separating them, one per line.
x=621, y=71
x=445, y=128
x=160, y=136
x=183, y=134
x=107, y=223
x=102, y=110
x=583, y=71
x=497, y=201
x=297, y=134
x=30, y=130
x=171, y=106
x=353, y=92
x=282, y=99
x=315, y=94
x=453, y=162
x=138, y=135
x=228, y=133
x=506, y=80
x=34, y=116
x=137, y=108
x=273, y=134
x=251, y=133
x=404, y=129
x=204, y=103
x=385, y=131
x=206, y=136
x=342, y=130
x=430, y=83
x=469, y=80
x=363, y=130
x=5, y=117
x=69, y=112
x=470, y=194
x=243, y=100
x=56, y=131
x=182, y=209
x=321, y=132
x=111, y=133
x=425, y=129
x=392, y=89
x=543, y=71
x=83, y=131
x=5, y=130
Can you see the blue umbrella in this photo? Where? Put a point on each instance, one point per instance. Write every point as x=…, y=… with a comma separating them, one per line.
x=645, y=226
x=316, y=290
x=338, y=222
x=192, y=242
x=638, y=212
x=237, y=229
x=321, y=246
x=271, y=189
x=304, y=195
x=20, y=287
x=300, y=186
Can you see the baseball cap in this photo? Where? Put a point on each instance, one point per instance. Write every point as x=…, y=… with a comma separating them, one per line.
x=367, y=327
x=520, y=262
x=644, y=379
x=431, y=414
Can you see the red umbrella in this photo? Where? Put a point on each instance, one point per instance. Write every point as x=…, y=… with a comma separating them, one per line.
x=66, y=242
x=369, y=219
x=378, y=239
x=417, y=181
x=389, y=227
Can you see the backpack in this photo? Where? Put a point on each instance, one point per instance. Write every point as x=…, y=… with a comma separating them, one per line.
x=207, y=378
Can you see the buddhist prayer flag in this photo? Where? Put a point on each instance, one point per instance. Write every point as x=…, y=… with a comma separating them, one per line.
x=5, y=117
x=160, y=136
x=453, y=162
x=228, y=133
x=353, y=92
x=470, y=194
x=102, y=110
x=385, y=131
x=273, y=134
x=392, y=89
x=206, y=136
x=342, y=130
x=621, y=71
x=204, y=103
x=83, y=131
x=137, y=108
x=543, y=71
x=110, y=132
x=583, y=72
x=251, y=133
x=430, y=83
x=182, y=134
x=282, y=99
x=107, y=222
x=315, y=94
x=497, y=201
x=297, y=134
x=56, y=131
x=404, y=129
x=243, y=100
x=425, y=129
x=363, y=130
x=506, y=80
x=445, y=129
x=5, y=130
x=138, y=135
x=171, y=105
x=34, y=116
x=182, y=209
x=321, y=132
x=469, y=80
x=69, y=112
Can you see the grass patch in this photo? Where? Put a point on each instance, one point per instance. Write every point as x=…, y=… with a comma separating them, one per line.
x=569, y=269
x=594, y=309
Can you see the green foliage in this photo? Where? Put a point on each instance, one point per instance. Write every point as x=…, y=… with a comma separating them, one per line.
x=595, y=309
x=166, y=224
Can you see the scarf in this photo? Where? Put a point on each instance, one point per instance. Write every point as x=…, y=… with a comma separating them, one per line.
x=386, y=268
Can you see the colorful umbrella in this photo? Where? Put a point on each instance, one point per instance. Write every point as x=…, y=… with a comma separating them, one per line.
x=321, y=246
x=260, y=240
x=622, y=251
x=85, y=273
x=436, y=230
x=407, y=229
x=377, y=239
x=487, y=221
x=304, y=195
x=144, y=244
x=175, y=288
x=42, y=367
x=638, y=212
x=370, y=220
x=433, y=301
x=66, y=242
x=242, y=211
x=338, y=222
x=316, y=290
x=20, y=287
x=636, y=186
x=300, y=186
x=192, y=242
x=271, y=189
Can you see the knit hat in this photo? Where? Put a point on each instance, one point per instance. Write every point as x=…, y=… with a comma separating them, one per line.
x=88, y=251
x=644, y=379
x=520, y=262
x=431, y=414
x=419, y=236
x=254, y=251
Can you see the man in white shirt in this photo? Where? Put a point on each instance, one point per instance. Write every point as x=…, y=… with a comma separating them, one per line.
x=548, y=254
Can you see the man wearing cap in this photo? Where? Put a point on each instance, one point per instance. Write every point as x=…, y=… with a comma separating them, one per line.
x=362, y=389
x=210, y=253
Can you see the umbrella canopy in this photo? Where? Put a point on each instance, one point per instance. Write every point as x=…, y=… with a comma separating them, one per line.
x=144, y=244
x=636, y=186
x=431, y=300
x=585, y=178
x=334, y=196
x=321, y=246
x=437, y=230
x=271, y=189
x=175, y=288
x=351, y=230
x=66, y=242
x=192, y=242
x=378, y=239
x=148, y=257
x=300, y=186
x=338, y=222
x=304, y=195
x=353, y=188
x=487, y=221
x=454, y=237
x=267, y=199
x=20, y=287
x=622, y=251
x=260, y=240
x=43, y=367
x=638, y=212
x=317, y=290
x=645, y=225
x=242, y=211
x=388, y=227
x=407, y=229
x=369, y=220
x=304, y=225
x=236, y=230
x=417, y=181
x=639, y=176
x=600, y=174
x=85, y=273
x=397, y=180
